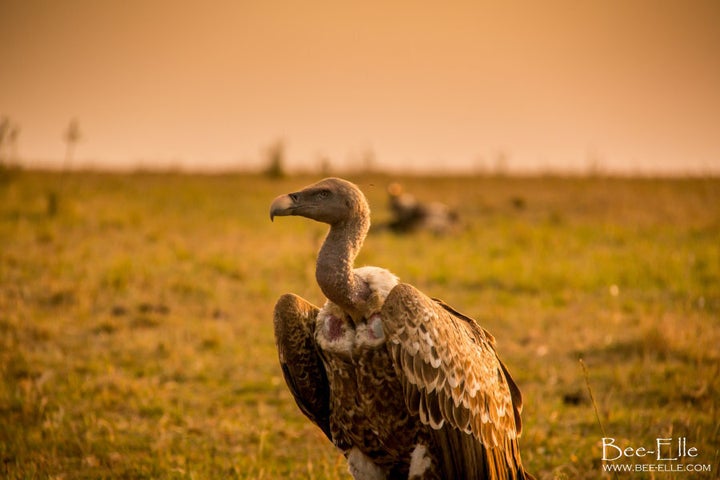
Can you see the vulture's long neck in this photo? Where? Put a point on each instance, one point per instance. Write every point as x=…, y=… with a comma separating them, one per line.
x=334, y=272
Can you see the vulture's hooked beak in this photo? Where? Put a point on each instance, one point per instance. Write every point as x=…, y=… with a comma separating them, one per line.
x=283, y=205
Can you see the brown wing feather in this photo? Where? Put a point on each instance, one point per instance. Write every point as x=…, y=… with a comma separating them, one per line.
x=454, y=381
x=515, y=393
x=294, y=322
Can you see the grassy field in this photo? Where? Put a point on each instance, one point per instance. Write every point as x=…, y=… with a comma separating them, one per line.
x=136, y=318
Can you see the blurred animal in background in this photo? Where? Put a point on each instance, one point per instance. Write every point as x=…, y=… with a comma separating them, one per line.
x=410, y=215
x=404, y=385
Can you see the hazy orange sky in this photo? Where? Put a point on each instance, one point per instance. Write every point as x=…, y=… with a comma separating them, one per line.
x=629, y=85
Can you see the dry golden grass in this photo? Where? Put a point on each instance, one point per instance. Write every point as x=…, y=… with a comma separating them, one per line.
x=136, y=337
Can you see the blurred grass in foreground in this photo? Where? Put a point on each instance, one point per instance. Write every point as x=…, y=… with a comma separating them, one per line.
x=136, y=310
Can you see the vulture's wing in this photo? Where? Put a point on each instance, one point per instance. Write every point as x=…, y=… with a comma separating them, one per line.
x=294, y=321
x=453, y=379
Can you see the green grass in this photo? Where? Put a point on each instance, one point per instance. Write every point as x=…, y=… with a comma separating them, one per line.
x=136, y=310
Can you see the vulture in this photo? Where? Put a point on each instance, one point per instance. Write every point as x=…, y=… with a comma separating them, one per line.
x=403, y=384
x=409, y=214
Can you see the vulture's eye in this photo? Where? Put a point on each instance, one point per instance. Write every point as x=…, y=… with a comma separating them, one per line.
x=323, y=194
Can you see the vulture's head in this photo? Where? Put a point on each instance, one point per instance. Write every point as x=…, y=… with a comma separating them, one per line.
x=333, y=201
